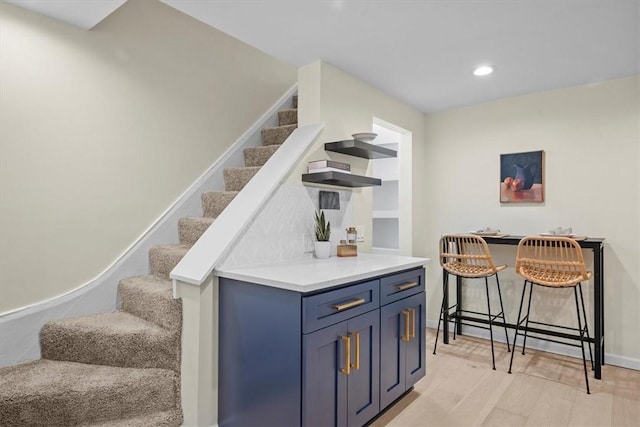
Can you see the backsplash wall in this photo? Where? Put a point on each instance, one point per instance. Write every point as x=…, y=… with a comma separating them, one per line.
x=283, y=231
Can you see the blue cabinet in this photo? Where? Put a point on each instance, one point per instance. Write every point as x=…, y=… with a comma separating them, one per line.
x=327, y=358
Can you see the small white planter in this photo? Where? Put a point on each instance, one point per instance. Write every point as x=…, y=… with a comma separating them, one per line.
x=323, y=249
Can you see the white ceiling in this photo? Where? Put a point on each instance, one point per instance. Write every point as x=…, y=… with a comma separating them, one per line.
x=84, y=14
x=423, y=51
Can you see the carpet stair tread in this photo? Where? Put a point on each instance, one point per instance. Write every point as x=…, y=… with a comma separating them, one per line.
x=114, y=339
x=163, y=258
x=214, y=202
x=276, y=135
x=258, y=156
x=236, y=178
x=45, y=392
x=190, y=229
x=151, y=298
x=288, y=117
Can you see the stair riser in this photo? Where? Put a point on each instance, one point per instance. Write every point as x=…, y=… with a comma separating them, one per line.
x=122, y=350
x=213, y=203
x=287, y=117
x=258, y=156
x=276, y=136
x=162, y=262
x=236, y=179
x=160, y=310
x=190, y=231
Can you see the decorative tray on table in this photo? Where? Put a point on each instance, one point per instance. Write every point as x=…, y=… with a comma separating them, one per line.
x=488, y=232
x=571, y=236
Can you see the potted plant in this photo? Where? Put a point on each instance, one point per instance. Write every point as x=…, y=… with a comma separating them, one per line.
x=323, y=232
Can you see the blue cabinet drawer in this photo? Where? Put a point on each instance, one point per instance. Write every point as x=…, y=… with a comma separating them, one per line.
x=402, y=285
x=322, y=310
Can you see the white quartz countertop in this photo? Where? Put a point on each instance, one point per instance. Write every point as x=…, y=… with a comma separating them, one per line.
x=314, y=274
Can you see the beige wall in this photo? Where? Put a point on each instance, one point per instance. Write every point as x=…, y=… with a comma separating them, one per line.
x=102, y=130
x=347, y=105
x=592, y=142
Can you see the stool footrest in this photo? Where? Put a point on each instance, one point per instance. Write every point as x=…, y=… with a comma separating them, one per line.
x=550, y=340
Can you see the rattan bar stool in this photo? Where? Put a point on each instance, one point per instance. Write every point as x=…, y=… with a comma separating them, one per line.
x=468, y=256
x=553, y=262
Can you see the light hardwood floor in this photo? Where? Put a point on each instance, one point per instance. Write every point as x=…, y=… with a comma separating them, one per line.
x=545, y=389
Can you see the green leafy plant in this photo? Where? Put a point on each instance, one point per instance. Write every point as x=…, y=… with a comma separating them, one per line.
x=323, y=228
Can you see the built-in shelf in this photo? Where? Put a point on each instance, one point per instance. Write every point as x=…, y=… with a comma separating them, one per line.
x=356, y=148
x=340, y=179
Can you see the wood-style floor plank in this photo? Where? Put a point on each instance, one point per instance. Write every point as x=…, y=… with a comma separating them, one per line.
x=553, y=406
x=545, y=389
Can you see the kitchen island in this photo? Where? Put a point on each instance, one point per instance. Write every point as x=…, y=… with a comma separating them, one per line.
x=319, y=342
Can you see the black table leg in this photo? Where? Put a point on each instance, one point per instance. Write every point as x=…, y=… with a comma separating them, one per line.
x=445, y=305
x=458, y=304
x=598, y=304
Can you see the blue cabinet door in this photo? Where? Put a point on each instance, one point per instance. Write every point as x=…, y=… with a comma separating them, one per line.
x=415, y=361
x=324, y=386
x=392, y=360
x=363, y=401
x=332, y=394
x=402, y=347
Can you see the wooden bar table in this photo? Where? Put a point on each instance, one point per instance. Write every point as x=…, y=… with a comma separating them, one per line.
x=596, y=245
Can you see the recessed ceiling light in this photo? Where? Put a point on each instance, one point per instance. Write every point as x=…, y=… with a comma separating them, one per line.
x=482, y=70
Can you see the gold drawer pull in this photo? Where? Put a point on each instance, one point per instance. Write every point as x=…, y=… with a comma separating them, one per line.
x=406, y=286
x=407, y=335
x=347, y=355
x=356, y=365
x=350, y=304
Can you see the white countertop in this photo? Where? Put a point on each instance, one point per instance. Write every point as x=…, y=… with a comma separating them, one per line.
x=312, y=274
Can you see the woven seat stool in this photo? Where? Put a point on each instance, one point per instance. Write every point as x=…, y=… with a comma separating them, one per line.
x=552, y=262
x=468, y=256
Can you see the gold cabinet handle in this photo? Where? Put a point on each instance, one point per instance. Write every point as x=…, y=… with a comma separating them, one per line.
x=407, y=335
x=406, y=286
x=350, y=304
x=347, y=355
x=356, y=365
x=413, y=323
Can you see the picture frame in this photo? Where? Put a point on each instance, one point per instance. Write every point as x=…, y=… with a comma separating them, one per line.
x=522, y=177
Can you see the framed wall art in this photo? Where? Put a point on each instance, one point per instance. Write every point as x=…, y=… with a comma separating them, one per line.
x=522, y=177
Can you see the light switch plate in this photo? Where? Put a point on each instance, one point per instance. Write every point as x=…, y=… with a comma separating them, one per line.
x=360, y=230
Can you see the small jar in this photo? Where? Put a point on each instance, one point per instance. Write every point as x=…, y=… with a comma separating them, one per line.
x=352, y=236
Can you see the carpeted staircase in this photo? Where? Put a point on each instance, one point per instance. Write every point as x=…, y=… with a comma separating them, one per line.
x=123, y=368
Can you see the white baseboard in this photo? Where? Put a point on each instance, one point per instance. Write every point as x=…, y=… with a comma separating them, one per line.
x=189, y=425
x=20, y=328
x=551, y=347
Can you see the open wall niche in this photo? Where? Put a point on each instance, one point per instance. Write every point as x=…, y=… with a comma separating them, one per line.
x=386, y=197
